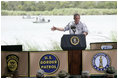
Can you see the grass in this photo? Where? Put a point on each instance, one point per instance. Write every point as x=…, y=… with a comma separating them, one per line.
x=113, y=36
x=33, y=46
x=55, y=45
x=65, y=11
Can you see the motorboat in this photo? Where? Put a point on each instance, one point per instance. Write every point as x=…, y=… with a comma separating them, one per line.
x=41, y=20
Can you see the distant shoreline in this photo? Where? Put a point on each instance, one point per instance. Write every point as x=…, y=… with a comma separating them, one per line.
x=65, y=11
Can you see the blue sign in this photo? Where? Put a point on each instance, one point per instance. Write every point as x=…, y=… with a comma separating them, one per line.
x=49, y=63
x=106, y=47
x=101, y=61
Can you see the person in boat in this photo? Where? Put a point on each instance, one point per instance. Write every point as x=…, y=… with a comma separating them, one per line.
x=36, y=19
x=43, y=20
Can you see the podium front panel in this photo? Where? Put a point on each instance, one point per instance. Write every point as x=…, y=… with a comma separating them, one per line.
x=51, y=62
x=96, y=61
x=73, y=42
x=22, y=63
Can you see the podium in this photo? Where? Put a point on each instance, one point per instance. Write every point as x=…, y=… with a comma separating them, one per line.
x=74, y=44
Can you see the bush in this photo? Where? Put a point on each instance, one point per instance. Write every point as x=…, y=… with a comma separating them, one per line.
x=65, y=11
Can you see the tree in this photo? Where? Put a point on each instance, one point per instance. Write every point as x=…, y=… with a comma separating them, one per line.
x=51, y=5
x=4, y=5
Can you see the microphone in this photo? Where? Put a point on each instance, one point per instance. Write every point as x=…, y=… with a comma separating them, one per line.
x=73, y=29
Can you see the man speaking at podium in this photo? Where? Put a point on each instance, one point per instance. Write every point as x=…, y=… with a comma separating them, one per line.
x=74, y=43
x=74, y=27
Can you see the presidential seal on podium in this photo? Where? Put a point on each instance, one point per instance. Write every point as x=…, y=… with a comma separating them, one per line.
x=74, y=40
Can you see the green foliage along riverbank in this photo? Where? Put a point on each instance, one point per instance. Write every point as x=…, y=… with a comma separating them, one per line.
x=64, y=11
x=58, y=7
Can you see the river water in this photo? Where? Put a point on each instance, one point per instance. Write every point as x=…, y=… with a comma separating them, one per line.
x=16, y=30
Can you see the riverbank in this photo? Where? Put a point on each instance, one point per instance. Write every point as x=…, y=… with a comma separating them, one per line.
x=66, y=11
